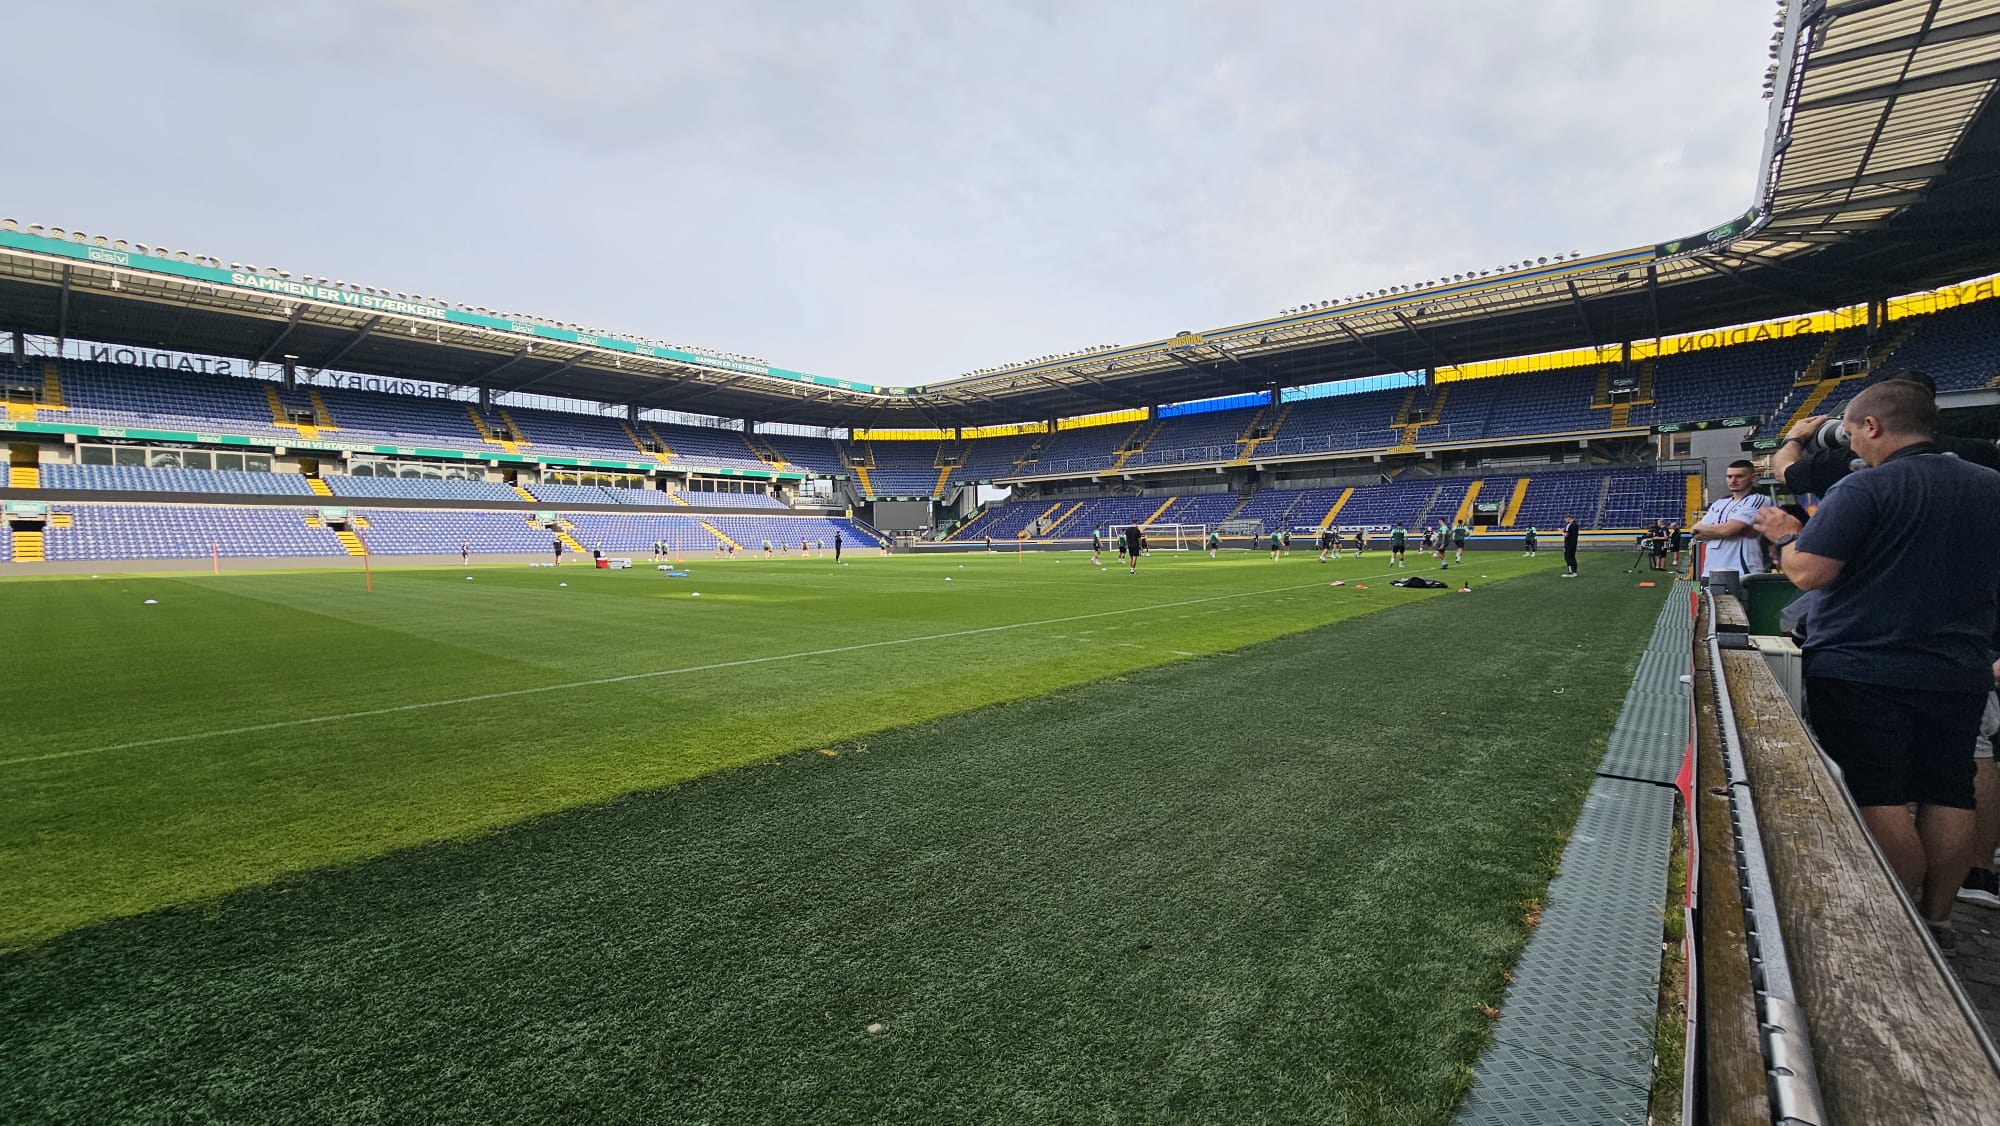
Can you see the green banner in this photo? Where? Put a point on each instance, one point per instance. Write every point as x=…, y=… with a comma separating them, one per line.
x=1715, y=236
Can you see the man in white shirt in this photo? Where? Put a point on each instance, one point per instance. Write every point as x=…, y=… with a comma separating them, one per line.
x=1729, y=528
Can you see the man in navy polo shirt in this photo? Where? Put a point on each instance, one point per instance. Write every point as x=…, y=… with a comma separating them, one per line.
x=1898, y=652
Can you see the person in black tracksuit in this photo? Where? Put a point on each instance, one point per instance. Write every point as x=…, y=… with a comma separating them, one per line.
x=1571, y=530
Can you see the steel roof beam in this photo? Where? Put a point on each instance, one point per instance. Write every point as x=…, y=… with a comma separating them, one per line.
x=62, y=312
x=1977, y=27
x=298, y=314
x=360, y=334
x=547, y=375
x=1886, y=91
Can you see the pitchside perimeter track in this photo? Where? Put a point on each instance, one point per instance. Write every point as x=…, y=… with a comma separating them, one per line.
x=986, y=850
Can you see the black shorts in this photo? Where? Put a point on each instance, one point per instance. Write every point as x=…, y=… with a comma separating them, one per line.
x=1897, y=745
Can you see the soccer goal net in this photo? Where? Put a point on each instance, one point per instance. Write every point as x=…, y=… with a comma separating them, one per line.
x=1168, y=537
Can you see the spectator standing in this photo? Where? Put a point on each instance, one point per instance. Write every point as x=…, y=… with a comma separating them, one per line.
x=1898, y=657
x=1730, y=526
x=1572, y=532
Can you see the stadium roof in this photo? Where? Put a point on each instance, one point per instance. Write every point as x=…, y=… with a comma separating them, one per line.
x=1878, y=177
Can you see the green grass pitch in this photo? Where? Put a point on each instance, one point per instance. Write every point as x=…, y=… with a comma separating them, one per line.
x=844, y=843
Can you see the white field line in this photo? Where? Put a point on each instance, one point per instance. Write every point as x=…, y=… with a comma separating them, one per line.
x=280, y=725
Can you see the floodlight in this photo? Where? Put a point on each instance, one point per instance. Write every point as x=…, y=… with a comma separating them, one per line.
x=56, y=232
x=1541, y=261
x=9, y=225
x=35, y=229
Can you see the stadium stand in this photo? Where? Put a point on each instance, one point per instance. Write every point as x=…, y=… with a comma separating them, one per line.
x=815, y=454
x=392, y=531
x=132, y=478
x=132, y=531
x=902, y=469
x=1746, y=380
x=1956, y=346
x=986, y=459
x=417, y=488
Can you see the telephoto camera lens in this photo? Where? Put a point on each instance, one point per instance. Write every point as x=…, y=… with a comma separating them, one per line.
x=1831, y=434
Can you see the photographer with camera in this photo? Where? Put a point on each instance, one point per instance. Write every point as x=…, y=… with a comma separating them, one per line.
x=1815, y=454
x=1898, y=652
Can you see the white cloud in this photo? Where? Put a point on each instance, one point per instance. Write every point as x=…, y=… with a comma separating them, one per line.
x=898, y=190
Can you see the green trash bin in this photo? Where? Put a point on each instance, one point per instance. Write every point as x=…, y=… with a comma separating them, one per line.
x=1764, y=598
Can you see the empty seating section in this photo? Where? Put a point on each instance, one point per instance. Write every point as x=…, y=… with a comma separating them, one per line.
x=904, y=469
x=815, y=454
x=132, y=478
x=1202, y=508
x=1746, y=380
x=401, y=420
x=1345, y=422
x=1105, y=512
x=1010, y=521
x=635, y=534
x=741, y=500
x=1085, y=450
x=1553, y=496
x=705, y=446
x=1547, y=402
x=440, y=532
x=1635, y=500
x=418, y=488
x=99, y=394
x=146, y=531
x=985, y=459
x=585, y=435
x=1196, y=439
x=649, y=498
x=1409, y=503
x=570, y=494
x=1956, y=347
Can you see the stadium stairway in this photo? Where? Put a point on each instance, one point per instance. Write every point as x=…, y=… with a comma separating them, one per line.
x=1135, y=443
x=1250, y=445
x=944, y=478
x=28, y=547
x=861, y=475
x=1603, y=501
x=320, y=488
x=1029, y=531
x=525, y=494
x=1057, y=527
x=320, y=411
x=1157, y=513
x=486, y=433
x=51, y=400
x=1339, y=503
x=639, y=444
x=765, y=451
x=281, y=415
x=351, y=541
x=1694, y=508
x=1513, y=510
x=717, y=533
x=520, y=436
x=1464, y=513
x=24, y=476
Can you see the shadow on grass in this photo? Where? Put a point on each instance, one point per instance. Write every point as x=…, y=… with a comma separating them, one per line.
x=1276, y=885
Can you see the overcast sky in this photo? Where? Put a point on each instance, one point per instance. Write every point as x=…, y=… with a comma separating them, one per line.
x=892, y=191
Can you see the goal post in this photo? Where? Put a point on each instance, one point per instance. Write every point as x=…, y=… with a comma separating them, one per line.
x=1168, y=537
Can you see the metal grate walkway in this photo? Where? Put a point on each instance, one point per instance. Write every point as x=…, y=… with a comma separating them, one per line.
x=1574, y=1043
